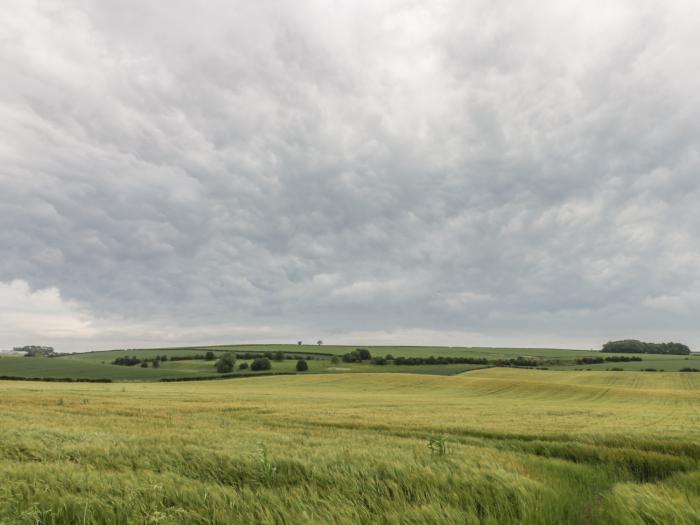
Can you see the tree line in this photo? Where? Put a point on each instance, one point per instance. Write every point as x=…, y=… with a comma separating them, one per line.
x=633, y=346
x=609, y=359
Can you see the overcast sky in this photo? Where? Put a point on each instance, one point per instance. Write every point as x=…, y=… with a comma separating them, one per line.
x=448, y=172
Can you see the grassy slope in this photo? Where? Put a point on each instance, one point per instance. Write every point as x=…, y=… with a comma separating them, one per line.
x=97, y=364
x=525, y=447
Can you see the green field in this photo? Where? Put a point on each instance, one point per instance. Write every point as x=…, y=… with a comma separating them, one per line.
x=522, y=446
x=97, y=365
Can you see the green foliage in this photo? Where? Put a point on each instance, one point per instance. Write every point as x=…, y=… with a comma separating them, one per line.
x=438, y=446
x=262, y=363
x=638, y=347
x=35, y=351
x=210, y=356
x=243, y=366
x=357, y=356
x=302, y=365
x=267, y=469
x=127, y=360
x=225, y=364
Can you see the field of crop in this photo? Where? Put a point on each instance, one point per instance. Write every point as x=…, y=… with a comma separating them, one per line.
x=508, y=446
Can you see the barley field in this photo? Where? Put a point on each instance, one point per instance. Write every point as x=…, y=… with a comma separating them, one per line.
x=493, y=446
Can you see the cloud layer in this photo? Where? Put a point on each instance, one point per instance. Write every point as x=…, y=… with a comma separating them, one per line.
x=463, y=172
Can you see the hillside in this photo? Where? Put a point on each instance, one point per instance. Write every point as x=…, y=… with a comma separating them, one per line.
x=98, y=365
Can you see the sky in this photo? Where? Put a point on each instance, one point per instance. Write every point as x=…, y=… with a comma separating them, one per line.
x=474, y=173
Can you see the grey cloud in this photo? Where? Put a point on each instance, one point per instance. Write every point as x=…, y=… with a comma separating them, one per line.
x=511, y=171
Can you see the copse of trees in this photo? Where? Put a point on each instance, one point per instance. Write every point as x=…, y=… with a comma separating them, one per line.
x=35, y=351
x=225, y=364
x=127, y=360
x=357, y=356
x=633, y=346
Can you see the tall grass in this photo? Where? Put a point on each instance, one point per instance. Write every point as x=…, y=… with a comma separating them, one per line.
x=524, y=447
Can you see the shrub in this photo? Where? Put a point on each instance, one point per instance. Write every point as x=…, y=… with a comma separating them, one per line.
x=225, y=364
x=144, y=364
x=262, y=363
x=243, y=366
x=302, y=365
x=279, y=356
x=378, y=361
x=210, y=356
x=335, y=360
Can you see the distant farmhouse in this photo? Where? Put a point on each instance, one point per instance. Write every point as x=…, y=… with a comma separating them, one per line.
x=35, y=351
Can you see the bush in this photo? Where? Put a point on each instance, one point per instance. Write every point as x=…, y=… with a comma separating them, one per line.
x=302, y=365
x=363, y=354
x=335, y=360
x=144, y=364
x=210, y=356
x=379, y=361
x=243, y=366
x=279, y=356
x=262, y=363
x=225, y=364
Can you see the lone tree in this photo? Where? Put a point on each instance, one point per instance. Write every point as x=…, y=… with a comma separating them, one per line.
x=319, y=342
x=302, y=365
x=225, y=364
x=299, y=343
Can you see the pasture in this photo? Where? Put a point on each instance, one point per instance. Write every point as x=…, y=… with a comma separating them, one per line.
x=508, y=446
x=98, y=365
